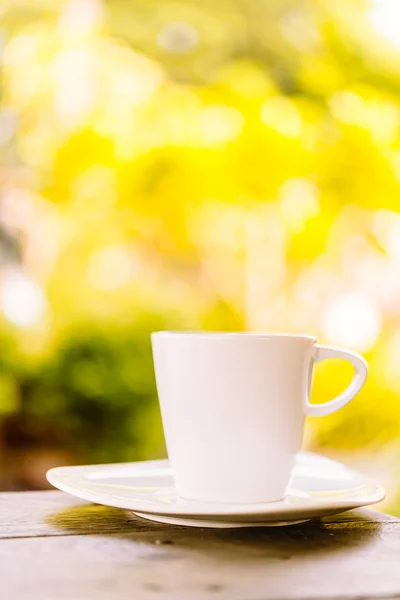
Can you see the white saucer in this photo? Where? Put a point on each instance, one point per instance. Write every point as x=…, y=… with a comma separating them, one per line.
x=319, y=487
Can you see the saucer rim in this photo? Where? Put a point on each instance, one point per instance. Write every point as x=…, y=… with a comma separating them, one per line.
x=215, y=524
x=264, y=511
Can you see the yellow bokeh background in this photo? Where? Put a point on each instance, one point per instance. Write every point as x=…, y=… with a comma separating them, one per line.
x=186, y=165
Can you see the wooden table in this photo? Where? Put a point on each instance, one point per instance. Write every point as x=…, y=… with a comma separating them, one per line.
x=55, y=547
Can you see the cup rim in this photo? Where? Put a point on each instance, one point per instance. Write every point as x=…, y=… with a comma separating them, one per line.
x=236, y=334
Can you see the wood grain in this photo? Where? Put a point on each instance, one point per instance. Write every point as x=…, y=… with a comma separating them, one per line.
x=33, y=514
x=57, y=547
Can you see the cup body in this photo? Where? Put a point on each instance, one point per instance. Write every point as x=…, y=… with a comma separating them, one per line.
x=232, y=410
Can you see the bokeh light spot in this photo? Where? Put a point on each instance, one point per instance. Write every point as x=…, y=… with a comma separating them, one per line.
x=298, y=29
x=352, y=320
x=221, y=123
x=21, y=299
x=20, y=49
x=282, y=115
x=81, y=16
x=299, y=201
x=111, y=268
x=385, y=17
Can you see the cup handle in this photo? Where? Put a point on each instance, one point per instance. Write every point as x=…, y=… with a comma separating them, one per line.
x=360, y=375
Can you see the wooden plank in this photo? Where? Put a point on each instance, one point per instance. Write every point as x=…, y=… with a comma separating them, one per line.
x=56, y=546
x=54, y=513
x=33, y=514
x=172, y=563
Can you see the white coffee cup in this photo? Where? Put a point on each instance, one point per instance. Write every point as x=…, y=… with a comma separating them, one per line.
x=233, y=408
